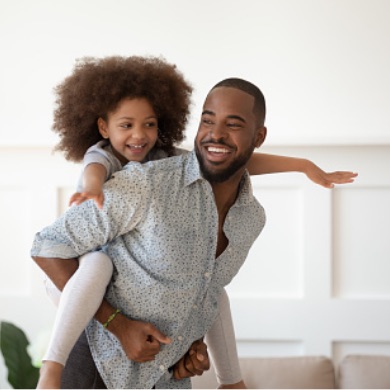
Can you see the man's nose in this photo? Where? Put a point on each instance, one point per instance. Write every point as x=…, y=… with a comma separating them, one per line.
x=218, y=131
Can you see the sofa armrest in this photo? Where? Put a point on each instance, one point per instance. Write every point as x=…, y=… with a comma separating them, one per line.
x=365, y=372
x=279, y=373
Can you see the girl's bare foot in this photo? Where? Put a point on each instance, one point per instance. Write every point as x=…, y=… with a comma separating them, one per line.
x=50, y=375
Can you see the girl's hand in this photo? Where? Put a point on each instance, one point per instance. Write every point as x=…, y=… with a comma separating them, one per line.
x=80, y=197
x=328, y=179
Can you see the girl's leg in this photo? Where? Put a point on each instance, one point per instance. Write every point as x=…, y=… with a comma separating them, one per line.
x=52, y=291
x=221, y=342
x=79, y=302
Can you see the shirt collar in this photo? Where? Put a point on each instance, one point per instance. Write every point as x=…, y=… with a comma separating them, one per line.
x=245, y=195
x=192, y=169
x=193, y=174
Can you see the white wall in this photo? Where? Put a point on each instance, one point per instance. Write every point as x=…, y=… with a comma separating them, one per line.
x=323, y=66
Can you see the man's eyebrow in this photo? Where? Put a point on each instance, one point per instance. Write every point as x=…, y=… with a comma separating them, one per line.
x=208, y=112
x=238, y=117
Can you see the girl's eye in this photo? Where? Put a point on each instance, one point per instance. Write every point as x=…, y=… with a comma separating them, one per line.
x=151, y=124
x=126, y=125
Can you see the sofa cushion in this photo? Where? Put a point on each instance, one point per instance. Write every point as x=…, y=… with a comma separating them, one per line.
x=365, y=372
x=279, y=373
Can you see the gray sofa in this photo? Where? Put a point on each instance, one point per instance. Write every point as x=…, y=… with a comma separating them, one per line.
x=309, y=372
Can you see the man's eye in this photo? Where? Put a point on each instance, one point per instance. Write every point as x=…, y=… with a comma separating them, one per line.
x=234, y=125
x=207, y=121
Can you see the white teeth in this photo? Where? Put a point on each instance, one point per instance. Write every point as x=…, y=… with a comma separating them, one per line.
x=217, y=150
x=137, y=146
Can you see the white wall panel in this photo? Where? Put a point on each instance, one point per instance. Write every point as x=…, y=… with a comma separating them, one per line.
x=361, y=242
x=339, y=228
x=15, y=211
x=271, y=254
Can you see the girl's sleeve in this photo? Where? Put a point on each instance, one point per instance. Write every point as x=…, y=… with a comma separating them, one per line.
x=100, y=154
x=179, y=151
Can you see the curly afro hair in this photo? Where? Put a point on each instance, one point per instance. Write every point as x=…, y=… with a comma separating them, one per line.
x=97, y=86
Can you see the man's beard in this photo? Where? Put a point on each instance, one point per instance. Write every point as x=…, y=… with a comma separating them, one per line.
x=221, y=176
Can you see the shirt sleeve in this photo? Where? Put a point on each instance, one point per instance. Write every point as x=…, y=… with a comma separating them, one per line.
x=221, y=342
x=179, y=151
x=101, y=154
x=84, y=228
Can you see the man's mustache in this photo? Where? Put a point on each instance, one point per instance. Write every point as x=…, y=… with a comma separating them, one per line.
x=218, y=143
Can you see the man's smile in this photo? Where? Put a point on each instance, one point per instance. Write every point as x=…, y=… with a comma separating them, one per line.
x=217, y=153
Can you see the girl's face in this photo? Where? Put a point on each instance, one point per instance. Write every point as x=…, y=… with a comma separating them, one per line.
x=131, y=129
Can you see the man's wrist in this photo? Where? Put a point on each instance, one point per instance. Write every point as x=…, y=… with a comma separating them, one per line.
x=111, y=318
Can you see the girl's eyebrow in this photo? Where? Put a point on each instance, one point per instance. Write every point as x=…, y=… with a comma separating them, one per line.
x=232, y=116
x=130, y=117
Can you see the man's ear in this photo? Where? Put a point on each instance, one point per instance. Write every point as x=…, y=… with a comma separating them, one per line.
x=261, y=135
x=102, y=126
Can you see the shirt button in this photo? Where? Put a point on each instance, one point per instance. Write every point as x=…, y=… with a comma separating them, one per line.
x=207, y=274
x=162, y=368
x=180, y=338
x=195, y=306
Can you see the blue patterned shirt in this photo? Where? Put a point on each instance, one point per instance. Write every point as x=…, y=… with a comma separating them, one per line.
x=159, y=225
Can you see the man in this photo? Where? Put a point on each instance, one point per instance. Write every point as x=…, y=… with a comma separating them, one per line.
x=177, y=231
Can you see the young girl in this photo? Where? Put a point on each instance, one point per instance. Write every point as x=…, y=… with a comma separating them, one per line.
x=110, y=112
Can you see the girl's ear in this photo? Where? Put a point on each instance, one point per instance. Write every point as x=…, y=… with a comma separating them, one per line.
x=102, y=126
x=261, y=135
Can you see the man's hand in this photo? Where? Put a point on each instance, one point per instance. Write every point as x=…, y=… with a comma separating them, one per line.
x=194, y=362
x=327, y=179
x=140, y=340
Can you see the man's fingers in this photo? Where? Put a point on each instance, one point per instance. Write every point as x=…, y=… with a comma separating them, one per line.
x=154, y=333
x=202, y=357
x=192, y=366
x=201, y=350
x=342, y=177
x=146, y=351
x=197, y=359
x=178, y=372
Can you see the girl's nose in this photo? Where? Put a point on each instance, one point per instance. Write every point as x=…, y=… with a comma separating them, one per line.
x=138, y=132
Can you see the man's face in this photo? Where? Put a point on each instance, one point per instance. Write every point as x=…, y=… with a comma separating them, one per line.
x=227, y=134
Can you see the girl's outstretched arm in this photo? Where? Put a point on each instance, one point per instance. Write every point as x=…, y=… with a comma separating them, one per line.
x=94, y=176
x=262, y=163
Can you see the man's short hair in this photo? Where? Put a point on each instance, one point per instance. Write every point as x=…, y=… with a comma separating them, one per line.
x=259, y=108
